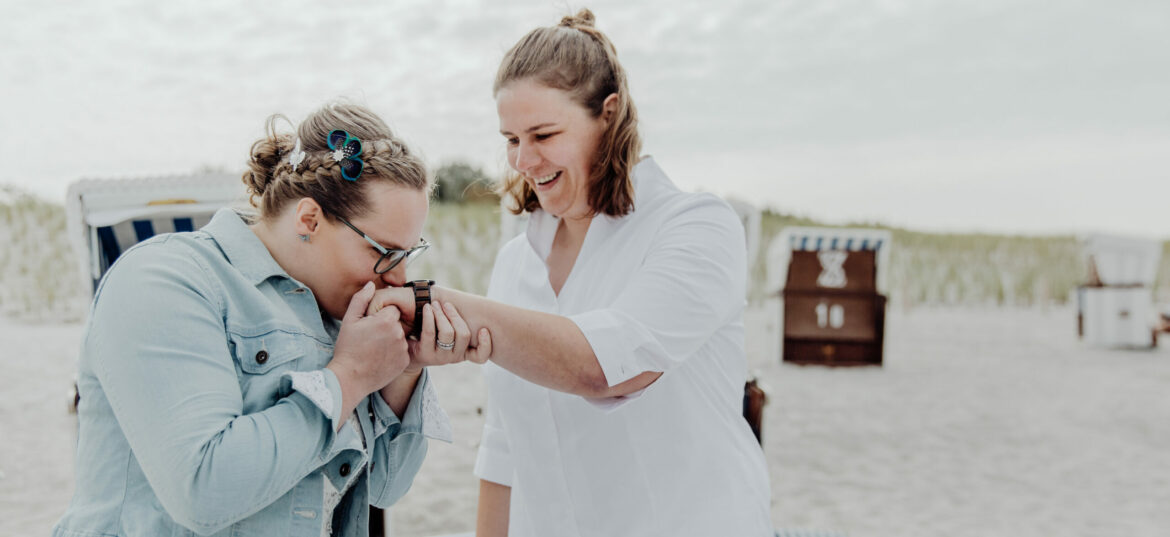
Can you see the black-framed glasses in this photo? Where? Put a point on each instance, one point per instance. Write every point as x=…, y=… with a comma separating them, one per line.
x=391, y=257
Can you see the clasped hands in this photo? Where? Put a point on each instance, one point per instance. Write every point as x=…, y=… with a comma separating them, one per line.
x=445, y=337
x=373, y=352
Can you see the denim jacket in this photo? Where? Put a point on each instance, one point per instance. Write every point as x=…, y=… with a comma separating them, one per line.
x=206, y=407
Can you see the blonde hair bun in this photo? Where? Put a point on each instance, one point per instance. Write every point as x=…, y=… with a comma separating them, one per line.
x=582, y=18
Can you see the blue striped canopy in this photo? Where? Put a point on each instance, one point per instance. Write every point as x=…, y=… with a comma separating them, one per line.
x=114, y=239
x=851, y=244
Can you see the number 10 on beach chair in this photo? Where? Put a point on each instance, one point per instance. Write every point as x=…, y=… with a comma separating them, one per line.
x=833, y=304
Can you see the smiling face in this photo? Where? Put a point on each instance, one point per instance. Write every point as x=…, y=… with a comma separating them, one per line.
x=343, y=261
x=552, y=143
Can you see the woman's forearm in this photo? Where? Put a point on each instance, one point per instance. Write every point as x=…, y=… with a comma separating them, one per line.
x=495, y=501
x=543, y=348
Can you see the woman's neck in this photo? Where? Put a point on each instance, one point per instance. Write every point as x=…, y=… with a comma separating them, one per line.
x=276, y=246
x=566, y=245
x=574, y=228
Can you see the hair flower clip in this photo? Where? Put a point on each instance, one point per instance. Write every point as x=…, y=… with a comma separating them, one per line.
x=297, y=156
x=346, y=150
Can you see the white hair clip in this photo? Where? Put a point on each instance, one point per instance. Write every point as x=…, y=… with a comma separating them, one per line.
x=297, y=156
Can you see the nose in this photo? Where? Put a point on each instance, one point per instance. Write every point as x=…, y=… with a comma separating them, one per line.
x=396, y=276
x=525, y=157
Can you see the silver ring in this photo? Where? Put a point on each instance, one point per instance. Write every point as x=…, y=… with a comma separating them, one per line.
x=445, y=346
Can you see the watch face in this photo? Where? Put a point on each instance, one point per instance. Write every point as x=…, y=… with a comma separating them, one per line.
x=422, y=295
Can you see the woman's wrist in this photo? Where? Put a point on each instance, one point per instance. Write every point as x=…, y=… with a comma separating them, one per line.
x=397, y=394
x=351, y=387
x=413, y=370
x=407, y=376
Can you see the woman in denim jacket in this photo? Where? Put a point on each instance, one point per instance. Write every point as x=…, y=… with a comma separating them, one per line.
x=231, y=381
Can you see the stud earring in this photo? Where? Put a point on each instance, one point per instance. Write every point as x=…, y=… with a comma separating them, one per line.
x=304, y=238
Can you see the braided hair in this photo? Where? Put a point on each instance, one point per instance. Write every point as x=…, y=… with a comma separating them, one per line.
x=272, y=181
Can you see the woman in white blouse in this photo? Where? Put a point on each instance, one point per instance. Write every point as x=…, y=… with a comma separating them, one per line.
x=617, y=370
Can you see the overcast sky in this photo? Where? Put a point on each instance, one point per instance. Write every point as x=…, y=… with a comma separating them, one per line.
x=1017, y=116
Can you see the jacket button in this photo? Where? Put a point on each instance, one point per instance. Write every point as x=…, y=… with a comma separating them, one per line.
x=261, y=357
x=344, y=471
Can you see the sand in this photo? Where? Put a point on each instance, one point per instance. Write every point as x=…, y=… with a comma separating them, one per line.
x=981, y=422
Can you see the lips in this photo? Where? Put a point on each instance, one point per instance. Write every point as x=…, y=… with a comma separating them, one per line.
x=547, y=181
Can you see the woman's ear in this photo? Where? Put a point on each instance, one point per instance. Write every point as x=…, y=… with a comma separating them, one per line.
x=308, y=216
x=609, y=108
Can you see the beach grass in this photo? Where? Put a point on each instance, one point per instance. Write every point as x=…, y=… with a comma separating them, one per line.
x=38, y=277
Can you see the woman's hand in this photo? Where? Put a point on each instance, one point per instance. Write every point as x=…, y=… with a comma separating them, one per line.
x=371, y=350
x=401, y=298
x=446, y=339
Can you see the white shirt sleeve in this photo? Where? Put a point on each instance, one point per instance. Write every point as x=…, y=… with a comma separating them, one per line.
x=493, y=462
x=691, y=283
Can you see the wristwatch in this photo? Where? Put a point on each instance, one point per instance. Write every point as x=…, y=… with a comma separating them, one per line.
x=422, y=296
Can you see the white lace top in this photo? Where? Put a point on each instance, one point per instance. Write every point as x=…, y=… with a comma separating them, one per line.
x=435, y=424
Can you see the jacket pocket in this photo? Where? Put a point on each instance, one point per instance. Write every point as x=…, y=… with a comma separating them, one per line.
x=259, y=355
x=262, y=358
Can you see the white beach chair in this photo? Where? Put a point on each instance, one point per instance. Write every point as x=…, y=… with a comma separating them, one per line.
x=1116, y=305
x=104, y=217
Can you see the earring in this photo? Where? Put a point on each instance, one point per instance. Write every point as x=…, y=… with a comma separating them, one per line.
x=304, y=238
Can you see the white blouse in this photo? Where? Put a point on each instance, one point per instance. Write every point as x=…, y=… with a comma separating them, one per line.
x=661, y=289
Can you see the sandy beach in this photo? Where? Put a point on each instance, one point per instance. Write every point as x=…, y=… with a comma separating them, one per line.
x=981, y=422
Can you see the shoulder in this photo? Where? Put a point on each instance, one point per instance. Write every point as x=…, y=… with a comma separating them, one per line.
x=658, y=196
x=674, y=209
x=510, y=255
x=179, y=250
x=513, y=247
x=172, y=258
x=508, y=260
x=702, y=205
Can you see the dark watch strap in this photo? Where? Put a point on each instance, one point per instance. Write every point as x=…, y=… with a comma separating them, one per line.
x=422, y=296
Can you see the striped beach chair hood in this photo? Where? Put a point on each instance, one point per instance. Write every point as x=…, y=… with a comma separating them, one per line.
x=104, y=217
x=796, y=238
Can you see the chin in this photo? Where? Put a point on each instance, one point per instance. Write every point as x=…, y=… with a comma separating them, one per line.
x=551, y=207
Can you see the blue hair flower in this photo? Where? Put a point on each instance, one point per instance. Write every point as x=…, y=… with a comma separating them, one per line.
x=346, y=150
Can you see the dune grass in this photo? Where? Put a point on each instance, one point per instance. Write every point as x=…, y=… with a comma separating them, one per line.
x=38, y=279
x=38, y=270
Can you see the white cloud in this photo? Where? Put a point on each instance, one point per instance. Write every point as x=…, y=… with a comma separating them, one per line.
x=850, y=90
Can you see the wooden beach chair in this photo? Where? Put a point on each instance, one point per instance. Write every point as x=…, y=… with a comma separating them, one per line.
x=833, y=305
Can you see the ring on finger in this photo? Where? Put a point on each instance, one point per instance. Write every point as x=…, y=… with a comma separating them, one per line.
x=445, y=346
